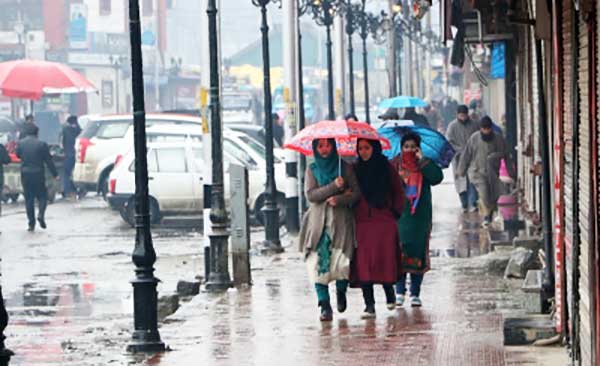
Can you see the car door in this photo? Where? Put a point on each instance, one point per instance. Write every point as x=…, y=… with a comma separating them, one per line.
x=172, y=184
x=198, y=177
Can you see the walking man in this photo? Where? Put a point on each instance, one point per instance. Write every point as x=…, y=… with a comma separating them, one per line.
x=70, y=132
x=4, y=159
x=34, y=154
x=480, y=160
x=458, y=133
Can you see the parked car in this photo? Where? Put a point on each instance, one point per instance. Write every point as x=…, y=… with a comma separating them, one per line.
x=175, y=170
x=101, y=141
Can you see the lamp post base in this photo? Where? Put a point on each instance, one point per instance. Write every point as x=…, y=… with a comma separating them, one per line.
x=269, y=247
x=272, y=243
x=145, y=346
x=5, y=356
x=145, y=337
x=218, y=282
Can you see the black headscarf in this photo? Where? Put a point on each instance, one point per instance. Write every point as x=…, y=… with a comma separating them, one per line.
x=374, y=177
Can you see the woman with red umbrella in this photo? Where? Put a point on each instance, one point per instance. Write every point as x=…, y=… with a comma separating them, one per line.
x=378, y=256
x=327, y=236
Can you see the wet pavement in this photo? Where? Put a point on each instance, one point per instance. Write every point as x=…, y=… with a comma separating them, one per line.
x=69, y=298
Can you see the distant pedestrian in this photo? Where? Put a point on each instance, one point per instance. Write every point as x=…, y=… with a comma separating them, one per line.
x=391, y=114
x=4, y=159
x=481, y=163
x=378, y=256
x=328, y=236
x=34, y=154
x=351, y=117
x=458, y=133
x=434, y=118
x=278, y=131
x=418, y=119
x=418, y=175
x=23, y=128
x=70, y=131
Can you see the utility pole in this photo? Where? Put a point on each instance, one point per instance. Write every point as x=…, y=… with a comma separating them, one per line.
x=206, y=137
x=290, y=96
x=156, y=56
x=340, y=64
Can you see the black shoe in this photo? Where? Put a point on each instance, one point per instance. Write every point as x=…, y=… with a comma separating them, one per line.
x=326, y=311
x=342, y=304
x=31, y=228
x=369, y=312
x=42, y=222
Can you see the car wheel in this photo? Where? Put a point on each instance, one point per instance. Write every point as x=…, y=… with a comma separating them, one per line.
x=260, y=203
x=128, y=212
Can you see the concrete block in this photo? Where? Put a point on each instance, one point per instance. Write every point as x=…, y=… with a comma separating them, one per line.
x=526, y=330
x=167, y=305
x=530, y=242
x=498, y=238
x=521, y=260
x=534, y=294
x=188, y=288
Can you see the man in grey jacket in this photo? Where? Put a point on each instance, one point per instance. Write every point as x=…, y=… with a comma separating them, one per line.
x=458, y=133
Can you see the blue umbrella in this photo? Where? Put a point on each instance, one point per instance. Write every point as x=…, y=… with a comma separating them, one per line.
x=433, y=144
x=402, y=102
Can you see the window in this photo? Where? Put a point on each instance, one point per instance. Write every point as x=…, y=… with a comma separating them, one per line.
x=238, y=153
x=148, y=8
x=257, y=147
x=171, y=160
x=152, y=163
x=112, y=130
x=105, y=7
x=199, y=160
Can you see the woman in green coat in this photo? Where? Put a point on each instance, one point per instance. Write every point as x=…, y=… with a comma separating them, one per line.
x=328, y=234
x=414, y=225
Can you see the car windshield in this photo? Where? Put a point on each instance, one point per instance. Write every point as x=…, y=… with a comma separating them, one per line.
x=238, y=152
x=256, y=146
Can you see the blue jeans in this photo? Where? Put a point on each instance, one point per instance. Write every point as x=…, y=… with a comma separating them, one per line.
x=67, y=178
x=415, y=284
x=469, y=197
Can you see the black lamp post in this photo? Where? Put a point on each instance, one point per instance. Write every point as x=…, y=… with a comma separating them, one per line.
x=351, y=23
x=271, y=212
x=218, y=278
x=323, y=13
x=5, y=353
x=302, y=7
x=145, y=337
x=363, y=20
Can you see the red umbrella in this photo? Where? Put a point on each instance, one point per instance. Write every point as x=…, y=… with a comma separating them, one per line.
x=31, y=79
x=345, y=133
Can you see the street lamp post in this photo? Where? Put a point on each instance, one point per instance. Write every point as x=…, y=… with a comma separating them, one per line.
x=116, y=62
x=351, y=22
x=218, y=278
x=271, y=212
x=364, y=33
x=145, y=338
x=302, y=7
x=323, y=13
x=5, y=353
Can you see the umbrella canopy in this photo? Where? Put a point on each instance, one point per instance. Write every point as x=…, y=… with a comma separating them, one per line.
x=433, y=144
x=345, y=133
x=402, y=102
x=31, y=79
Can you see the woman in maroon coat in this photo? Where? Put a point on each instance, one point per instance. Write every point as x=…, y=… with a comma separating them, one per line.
x=378, y=257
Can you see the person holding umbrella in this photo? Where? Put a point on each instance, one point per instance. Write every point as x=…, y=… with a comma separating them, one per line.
x=378, y=256
x=327, y=236
x=418, y=175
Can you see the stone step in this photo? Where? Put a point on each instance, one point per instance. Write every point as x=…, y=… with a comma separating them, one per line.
x=527, y=329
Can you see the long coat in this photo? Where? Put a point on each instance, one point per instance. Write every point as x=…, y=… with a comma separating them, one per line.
x=4, y=159
x=378, y=255
x=458, y=135
x=415, y=229
x=481, y=162
x=338, y=221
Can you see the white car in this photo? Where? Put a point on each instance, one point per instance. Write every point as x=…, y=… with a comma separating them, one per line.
x=175, y=180
x=101, y=140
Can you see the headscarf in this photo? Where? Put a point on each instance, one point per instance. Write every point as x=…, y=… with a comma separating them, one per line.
x=413, y=179
x=326, y=169
x=374, y=177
